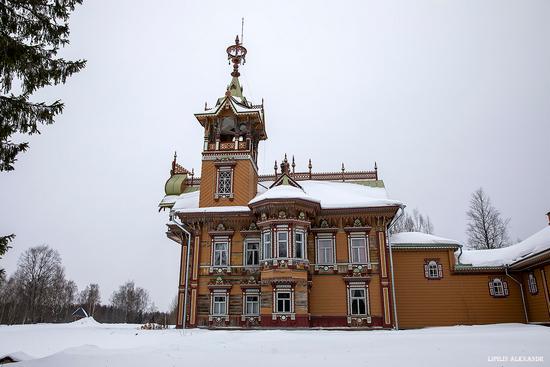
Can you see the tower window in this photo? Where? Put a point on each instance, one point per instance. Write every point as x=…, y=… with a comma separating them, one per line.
x=225, y=182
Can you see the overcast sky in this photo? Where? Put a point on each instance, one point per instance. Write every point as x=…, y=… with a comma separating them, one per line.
x=447, y=96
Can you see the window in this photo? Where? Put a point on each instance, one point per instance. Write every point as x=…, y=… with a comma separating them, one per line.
x=532, y=282
x=282, y=244
x=252, y=304
x=299, y=242
x=266, y=243
x=224, y=181
x=220, y=254
x=325, y=251
x=219, y=305
x=498, y=288
x=283, y=302
x=252, y=253
x=358, y=301
x=358, y=250
x=433, y=270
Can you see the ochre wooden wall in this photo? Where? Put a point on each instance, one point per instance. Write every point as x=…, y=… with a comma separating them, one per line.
x=456, y=299
x=537, y=304
x=245, y=184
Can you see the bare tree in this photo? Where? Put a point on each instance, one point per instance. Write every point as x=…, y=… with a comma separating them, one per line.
x=36, y=272
x=414, y=222
x=90, y=297
x=486, y=228
x=131, y=300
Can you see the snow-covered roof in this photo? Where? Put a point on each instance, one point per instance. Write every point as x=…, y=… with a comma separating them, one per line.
x=187, y=200
x=535, y=244
x=215, y=209
x=418, y=238
x=331, y=195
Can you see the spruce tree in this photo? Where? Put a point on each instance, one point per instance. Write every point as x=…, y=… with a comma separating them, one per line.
x=31, y=33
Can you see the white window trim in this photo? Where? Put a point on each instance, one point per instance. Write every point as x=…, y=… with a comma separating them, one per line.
x=317, y=249
x=212, y=302
x=361, y=235
x=304, y=243
x=268, y=233
x=283, y=230
x=499, y=284
x=276, y=303
x=245, y=252
x=250, y=293
x=227, y=241
x=350, y=299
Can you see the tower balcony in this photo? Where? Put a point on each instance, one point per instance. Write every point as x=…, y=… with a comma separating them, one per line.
x=226, y=146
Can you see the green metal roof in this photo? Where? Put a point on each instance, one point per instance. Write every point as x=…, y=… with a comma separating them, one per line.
x=175, y=184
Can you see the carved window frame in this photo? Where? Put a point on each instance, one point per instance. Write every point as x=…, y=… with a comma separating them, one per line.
x=433, y=269
x=231, y=172
x=498, y=288
x=532, y=283
x=325, y=237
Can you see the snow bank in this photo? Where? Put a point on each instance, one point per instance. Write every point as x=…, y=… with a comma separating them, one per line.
x=58, y=346
x=418, y=238
x=85, y=322
x=537, y=243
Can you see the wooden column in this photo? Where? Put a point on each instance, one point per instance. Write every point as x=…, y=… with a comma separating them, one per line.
x=385, y=279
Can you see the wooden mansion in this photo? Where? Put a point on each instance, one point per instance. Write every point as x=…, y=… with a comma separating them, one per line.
x=311, y=249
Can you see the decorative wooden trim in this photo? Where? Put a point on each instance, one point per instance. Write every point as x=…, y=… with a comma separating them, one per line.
x=439, y=266
x=491, y=284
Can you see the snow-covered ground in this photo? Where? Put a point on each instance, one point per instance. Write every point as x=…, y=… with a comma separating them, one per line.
x=87, y=343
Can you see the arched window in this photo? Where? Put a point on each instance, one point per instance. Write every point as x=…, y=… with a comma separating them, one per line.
x=498, y=287
x=432, y=269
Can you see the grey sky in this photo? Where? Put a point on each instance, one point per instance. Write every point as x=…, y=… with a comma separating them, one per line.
x=446, y=96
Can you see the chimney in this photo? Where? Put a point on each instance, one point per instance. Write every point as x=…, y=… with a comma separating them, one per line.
x=548, y=215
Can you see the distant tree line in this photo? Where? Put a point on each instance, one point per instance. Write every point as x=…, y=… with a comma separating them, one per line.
x=39, y=291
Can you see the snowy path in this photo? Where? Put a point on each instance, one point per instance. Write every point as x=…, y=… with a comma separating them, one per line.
x=92, y=344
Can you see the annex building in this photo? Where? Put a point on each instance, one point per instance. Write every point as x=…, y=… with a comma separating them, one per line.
x=312, y=249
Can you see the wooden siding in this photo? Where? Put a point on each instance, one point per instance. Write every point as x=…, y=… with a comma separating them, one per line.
x=328, y=296
x=455, y=299
x=537, y=305
x=245, y=184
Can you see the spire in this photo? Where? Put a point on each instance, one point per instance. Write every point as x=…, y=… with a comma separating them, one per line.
x=236, y=54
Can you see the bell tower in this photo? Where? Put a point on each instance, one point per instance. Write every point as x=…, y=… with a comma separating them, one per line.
x=233, y=129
